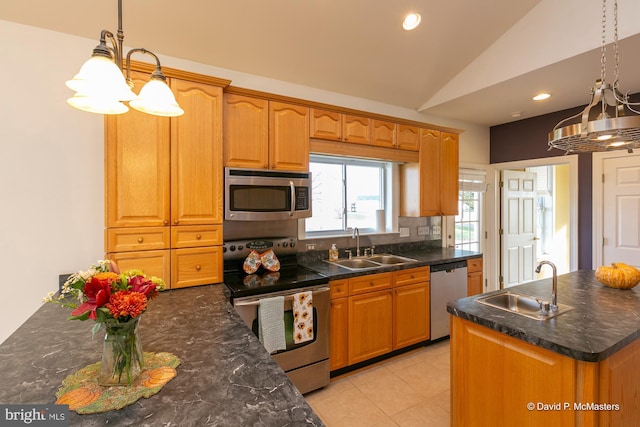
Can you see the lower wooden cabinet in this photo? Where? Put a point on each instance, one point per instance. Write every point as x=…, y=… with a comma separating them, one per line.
x=196, y=266
x=375, y=314
x=475, y=284
x=153, y=263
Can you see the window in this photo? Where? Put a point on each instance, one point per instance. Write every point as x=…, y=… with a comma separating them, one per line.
x=346, y=194
x=468, y=224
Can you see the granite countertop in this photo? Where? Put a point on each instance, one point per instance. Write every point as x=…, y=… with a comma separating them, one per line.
x=602, y=322
x=226, y=377
x=423, y=256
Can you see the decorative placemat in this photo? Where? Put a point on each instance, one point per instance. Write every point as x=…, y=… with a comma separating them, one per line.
x=84, y=395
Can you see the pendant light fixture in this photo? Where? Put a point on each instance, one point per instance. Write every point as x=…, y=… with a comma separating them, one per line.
x=101, y=86
x=610, y=121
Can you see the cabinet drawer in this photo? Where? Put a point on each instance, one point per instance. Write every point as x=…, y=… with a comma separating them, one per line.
x=373, y=282
x=153, y=263
x=197, y=266
x=196, y=236
x=474, y=265
x=412, y=275
x=339, y=288
x=137, y=239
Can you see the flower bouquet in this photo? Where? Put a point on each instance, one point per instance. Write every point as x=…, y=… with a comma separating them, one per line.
x=115, y=301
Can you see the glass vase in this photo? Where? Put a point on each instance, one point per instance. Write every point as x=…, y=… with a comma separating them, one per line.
x=122, y=359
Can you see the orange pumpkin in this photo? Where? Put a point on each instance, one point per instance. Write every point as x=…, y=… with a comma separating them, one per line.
x=619, y=275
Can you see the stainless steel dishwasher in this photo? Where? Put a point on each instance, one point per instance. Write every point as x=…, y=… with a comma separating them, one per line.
x=448, y=283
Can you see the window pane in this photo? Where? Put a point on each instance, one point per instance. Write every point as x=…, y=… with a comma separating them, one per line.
x=363, y=195
x=327, y=197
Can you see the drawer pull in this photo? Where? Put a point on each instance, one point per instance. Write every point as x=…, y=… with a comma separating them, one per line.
x=175, y=221
x=198, y=237
x=370, y=283
x=140, y=239
x=165, y=222
x=198, y=267
x=412, y=276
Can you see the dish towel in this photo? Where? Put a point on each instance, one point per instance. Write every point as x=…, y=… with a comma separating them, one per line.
x=271, y=324
x=302, y=317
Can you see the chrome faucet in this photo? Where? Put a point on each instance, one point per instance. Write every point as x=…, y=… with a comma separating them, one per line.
x=554, y=292
x=356, y=235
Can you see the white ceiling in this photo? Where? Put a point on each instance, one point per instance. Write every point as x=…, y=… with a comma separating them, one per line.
x=470, y=60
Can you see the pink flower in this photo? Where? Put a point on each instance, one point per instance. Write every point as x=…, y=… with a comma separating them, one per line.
x=143, y=285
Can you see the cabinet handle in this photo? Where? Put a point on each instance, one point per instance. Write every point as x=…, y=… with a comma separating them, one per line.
x=140, y=239
x=198, y=267
x=266, y=166
x=198, y=237
x=175, y=221
x=412, y=276
x=165, y=222
x=370, y=283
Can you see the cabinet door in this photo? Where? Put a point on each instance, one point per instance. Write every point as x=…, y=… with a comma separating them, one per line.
x=410, y=314
x=339, y=333
x=383, y=134
x=153, y=263
x=356, y=129
x=429, y=172
x=408, y=137
x=325, y=125
x=449, y=174
x=474, y=283
x=246, y=132
x=370, y=326
x=196, y=150
x=137, y=167
x=288, y=136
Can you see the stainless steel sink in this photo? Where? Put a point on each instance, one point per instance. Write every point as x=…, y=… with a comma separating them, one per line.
x=524, y=305
x=371, y=262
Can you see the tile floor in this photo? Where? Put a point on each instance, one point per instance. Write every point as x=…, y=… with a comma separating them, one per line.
x=408, y=390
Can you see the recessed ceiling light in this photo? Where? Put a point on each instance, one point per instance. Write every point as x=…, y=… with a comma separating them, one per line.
x=411, y=21
x=541, y=96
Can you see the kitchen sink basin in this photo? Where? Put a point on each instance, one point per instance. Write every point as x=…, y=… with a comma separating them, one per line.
x=370, y=262
x=523, y=305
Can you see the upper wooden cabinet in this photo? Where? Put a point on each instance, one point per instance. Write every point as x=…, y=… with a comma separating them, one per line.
x=408, y=137
x=434, y=179
x=325, y=124
x=196, y=166
x=262, y=134
x=356, y=129
x=383, y=133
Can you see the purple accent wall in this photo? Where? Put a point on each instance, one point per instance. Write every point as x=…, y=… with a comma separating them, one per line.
x=528, y=139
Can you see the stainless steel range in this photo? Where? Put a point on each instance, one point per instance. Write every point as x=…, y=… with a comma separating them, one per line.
x=307, y=363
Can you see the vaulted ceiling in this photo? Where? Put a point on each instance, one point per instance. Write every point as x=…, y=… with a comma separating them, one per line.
x=475, y=61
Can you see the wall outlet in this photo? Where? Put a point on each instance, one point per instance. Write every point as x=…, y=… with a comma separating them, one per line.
x=436, y=230
x=423, y=231
x=404, y=231
x=311, y=247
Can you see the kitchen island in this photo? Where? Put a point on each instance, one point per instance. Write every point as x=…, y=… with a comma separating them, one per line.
x=226, y=377
x=580, y=368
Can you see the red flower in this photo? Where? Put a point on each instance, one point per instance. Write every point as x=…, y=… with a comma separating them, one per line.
x=143, y=285
x=125, y=304
x=97, y=292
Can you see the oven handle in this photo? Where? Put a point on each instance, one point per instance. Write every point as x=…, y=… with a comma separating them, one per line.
x=288, y=297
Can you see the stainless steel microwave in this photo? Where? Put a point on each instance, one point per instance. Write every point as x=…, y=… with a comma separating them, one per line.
x=266, y=195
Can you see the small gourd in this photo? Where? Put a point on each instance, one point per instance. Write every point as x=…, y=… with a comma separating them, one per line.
x=619, y=275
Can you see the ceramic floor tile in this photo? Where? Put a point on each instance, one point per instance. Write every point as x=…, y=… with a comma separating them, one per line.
x=336, y=386
x=390, y=394
x=371, y=373
x=424, y=414
x=425, y=379
x=349, y=408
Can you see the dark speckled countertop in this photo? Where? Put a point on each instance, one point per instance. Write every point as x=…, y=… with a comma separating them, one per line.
x=603, y=320
x=226, y=377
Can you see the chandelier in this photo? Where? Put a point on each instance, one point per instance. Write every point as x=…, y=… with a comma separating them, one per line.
x=610, y=121
x=101, y=86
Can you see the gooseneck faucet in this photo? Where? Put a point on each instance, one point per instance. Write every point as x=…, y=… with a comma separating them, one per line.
x=356, y=235
x=554, y=291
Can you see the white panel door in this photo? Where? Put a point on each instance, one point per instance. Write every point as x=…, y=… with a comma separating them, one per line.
x=518, y=242
x=621, y=214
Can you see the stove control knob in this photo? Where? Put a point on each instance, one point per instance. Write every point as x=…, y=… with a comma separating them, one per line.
x=232, y=248
x=285, y=244
x=224, y=249
x=293, y=244
x=239, y=247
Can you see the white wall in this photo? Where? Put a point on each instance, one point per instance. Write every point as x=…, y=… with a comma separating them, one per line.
x=52, y=161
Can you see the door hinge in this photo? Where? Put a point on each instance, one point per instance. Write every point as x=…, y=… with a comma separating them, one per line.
x=501, y=232
x=501, y=281
x=603, y=178
x=501, y=184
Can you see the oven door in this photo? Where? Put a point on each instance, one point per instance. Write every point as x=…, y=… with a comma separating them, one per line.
x=295, y=355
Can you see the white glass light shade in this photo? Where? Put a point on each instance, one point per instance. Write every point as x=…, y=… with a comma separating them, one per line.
x=95, y=104
x=156, y=98
x=100, y=77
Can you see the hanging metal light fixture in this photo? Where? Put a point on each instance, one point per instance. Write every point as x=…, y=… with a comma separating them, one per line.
x=101, y=87
x=610, y=121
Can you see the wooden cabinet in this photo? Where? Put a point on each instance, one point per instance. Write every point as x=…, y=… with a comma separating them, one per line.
x=339, y=326
x=356, y=129
x=325, y=124
x=163, y=185
x=408, y=137
x=262, y=134
x=411, y=309
x=475, y=284
x=383, y=133
x=370, y=325
x=434, y=179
